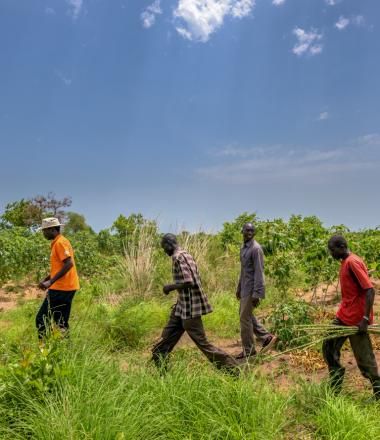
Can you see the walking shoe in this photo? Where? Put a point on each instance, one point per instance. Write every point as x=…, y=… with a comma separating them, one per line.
x=244, y=355
x=268, y=344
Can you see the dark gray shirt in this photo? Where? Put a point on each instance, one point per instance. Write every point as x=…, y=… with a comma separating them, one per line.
x=252, y=281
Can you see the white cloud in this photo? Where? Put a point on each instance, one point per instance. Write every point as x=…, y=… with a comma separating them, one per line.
x=148, y=17
x=278, y=2
x=332, y=2
x=241, y=8
x=233, y=151
x=323, y=116
x=315, y=50
x=342, y=23
x=307, y=42
x=75, y=8
x=66, y=81
x=372, y=139
x=358, y=20
x=196, y=20
x=50, y=11
x=282, y=164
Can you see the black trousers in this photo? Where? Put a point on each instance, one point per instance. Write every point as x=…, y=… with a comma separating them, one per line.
x=363, y=352
x=56, y=307
x=172, y=333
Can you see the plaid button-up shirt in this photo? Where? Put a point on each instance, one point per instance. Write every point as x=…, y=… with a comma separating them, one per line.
x=192, y=302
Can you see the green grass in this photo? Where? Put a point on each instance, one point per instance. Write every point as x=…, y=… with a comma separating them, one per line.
x=99, y=384
x=344, y=419
x=99, y=401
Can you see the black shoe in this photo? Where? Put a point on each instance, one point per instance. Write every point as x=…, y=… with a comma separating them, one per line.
x=244, y=355
x=268, y=344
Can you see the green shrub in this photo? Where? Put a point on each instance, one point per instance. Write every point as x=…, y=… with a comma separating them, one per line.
x=36, y=369
x=283, y=319
x=133, y=323
x=22, y=253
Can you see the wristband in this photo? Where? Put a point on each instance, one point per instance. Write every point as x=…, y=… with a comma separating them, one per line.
x=366, y=318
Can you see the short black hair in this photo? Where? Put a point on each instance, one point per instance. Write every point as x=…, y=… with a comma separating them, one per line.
x=169, y=238
x=250, y=225
x=338, y=241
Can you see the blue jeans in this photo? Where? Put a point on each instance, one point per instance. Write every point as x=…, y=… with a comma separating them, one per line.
x=56, y=306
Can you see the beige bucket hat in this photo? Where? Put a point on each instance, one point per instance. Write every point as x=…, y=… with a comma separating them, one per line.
x=50, y=222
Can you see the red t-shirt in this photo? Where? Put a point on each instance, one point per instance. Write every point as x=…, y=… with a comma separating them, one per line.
x=354, y=281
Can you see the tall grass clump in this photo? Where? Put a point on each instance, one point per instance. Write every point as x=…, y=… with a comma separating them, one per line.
x=99, y=401
x=132, y=324
x=138, y=265
x=344, y=419
x=197, y=245
x=219, y=269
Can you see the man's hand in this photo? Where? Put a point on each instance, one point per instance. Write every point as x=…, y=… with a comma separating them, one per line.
x=238, y=295
x=167, y=289
x=45, y=284
x=255, y=302
x=363, y=326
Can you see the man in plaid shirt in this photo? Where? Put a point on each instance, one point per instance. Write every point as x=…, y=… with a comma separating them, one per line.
x=186, y=315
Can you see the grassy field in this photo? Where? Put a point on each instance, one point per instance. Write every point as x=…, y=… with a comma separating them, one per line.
x=99, y=384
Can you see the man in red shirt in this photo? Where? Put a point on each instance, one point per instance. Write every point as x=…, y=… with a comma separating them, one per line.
x=356, y=309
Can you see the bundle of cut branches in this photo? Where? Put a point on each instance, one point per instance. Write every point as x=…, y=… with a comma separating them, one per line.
x=317, y=333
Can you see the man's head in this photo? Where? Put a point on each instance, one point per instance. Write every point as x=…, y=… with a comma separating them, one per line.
x=338, y=247
x=248, y=231
x=169, y=244
x=51, y=227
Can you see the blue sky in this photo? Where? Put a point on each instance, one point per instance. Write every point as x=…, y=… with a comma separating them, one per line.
x=193, y=111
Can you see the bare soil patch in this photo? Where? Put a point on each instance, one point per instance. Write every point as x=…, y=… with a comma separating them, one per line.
x=12, y=295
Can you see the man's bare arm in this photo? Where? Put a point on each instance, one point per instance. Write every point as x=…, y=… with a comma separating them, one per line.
x=67, y=265
x=369, y=300
x=180, y=286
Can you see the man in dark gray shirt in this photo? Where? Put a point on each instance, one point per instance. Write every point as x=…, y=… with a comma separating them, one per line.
x=250, y=290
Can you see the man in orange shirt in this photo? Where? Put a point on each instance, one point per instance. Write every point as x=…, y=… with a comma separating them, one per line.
x=356, y=309
x=61, y=284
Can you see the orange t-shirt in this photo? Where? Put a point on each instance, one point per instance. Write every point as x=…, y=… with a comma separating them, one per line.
x=61, y=250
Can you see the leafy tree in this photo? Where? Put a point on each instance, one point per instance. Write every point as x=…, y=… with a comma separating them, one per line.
x=231, y=232
x=21, y=214
x=28, y=213
x=128, y=229
x=126, y=226
x=108, y=243
x=76, y=223
x=50, y=205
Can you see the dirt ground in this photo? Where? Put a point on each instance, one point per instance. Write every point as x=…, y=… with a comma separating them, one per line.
x=13, y=295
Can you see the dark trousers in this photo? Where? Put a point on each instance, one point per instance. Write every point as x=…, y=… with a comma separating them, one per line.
x=55, y=307
x=363, y=352
x=172, y=333
x=250, y=326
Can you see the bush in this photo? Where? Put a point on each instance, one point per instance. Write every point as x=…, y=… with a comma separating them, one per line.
x=22, y=253
x=133, y=323
x=34, y=369
x=283, y=319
